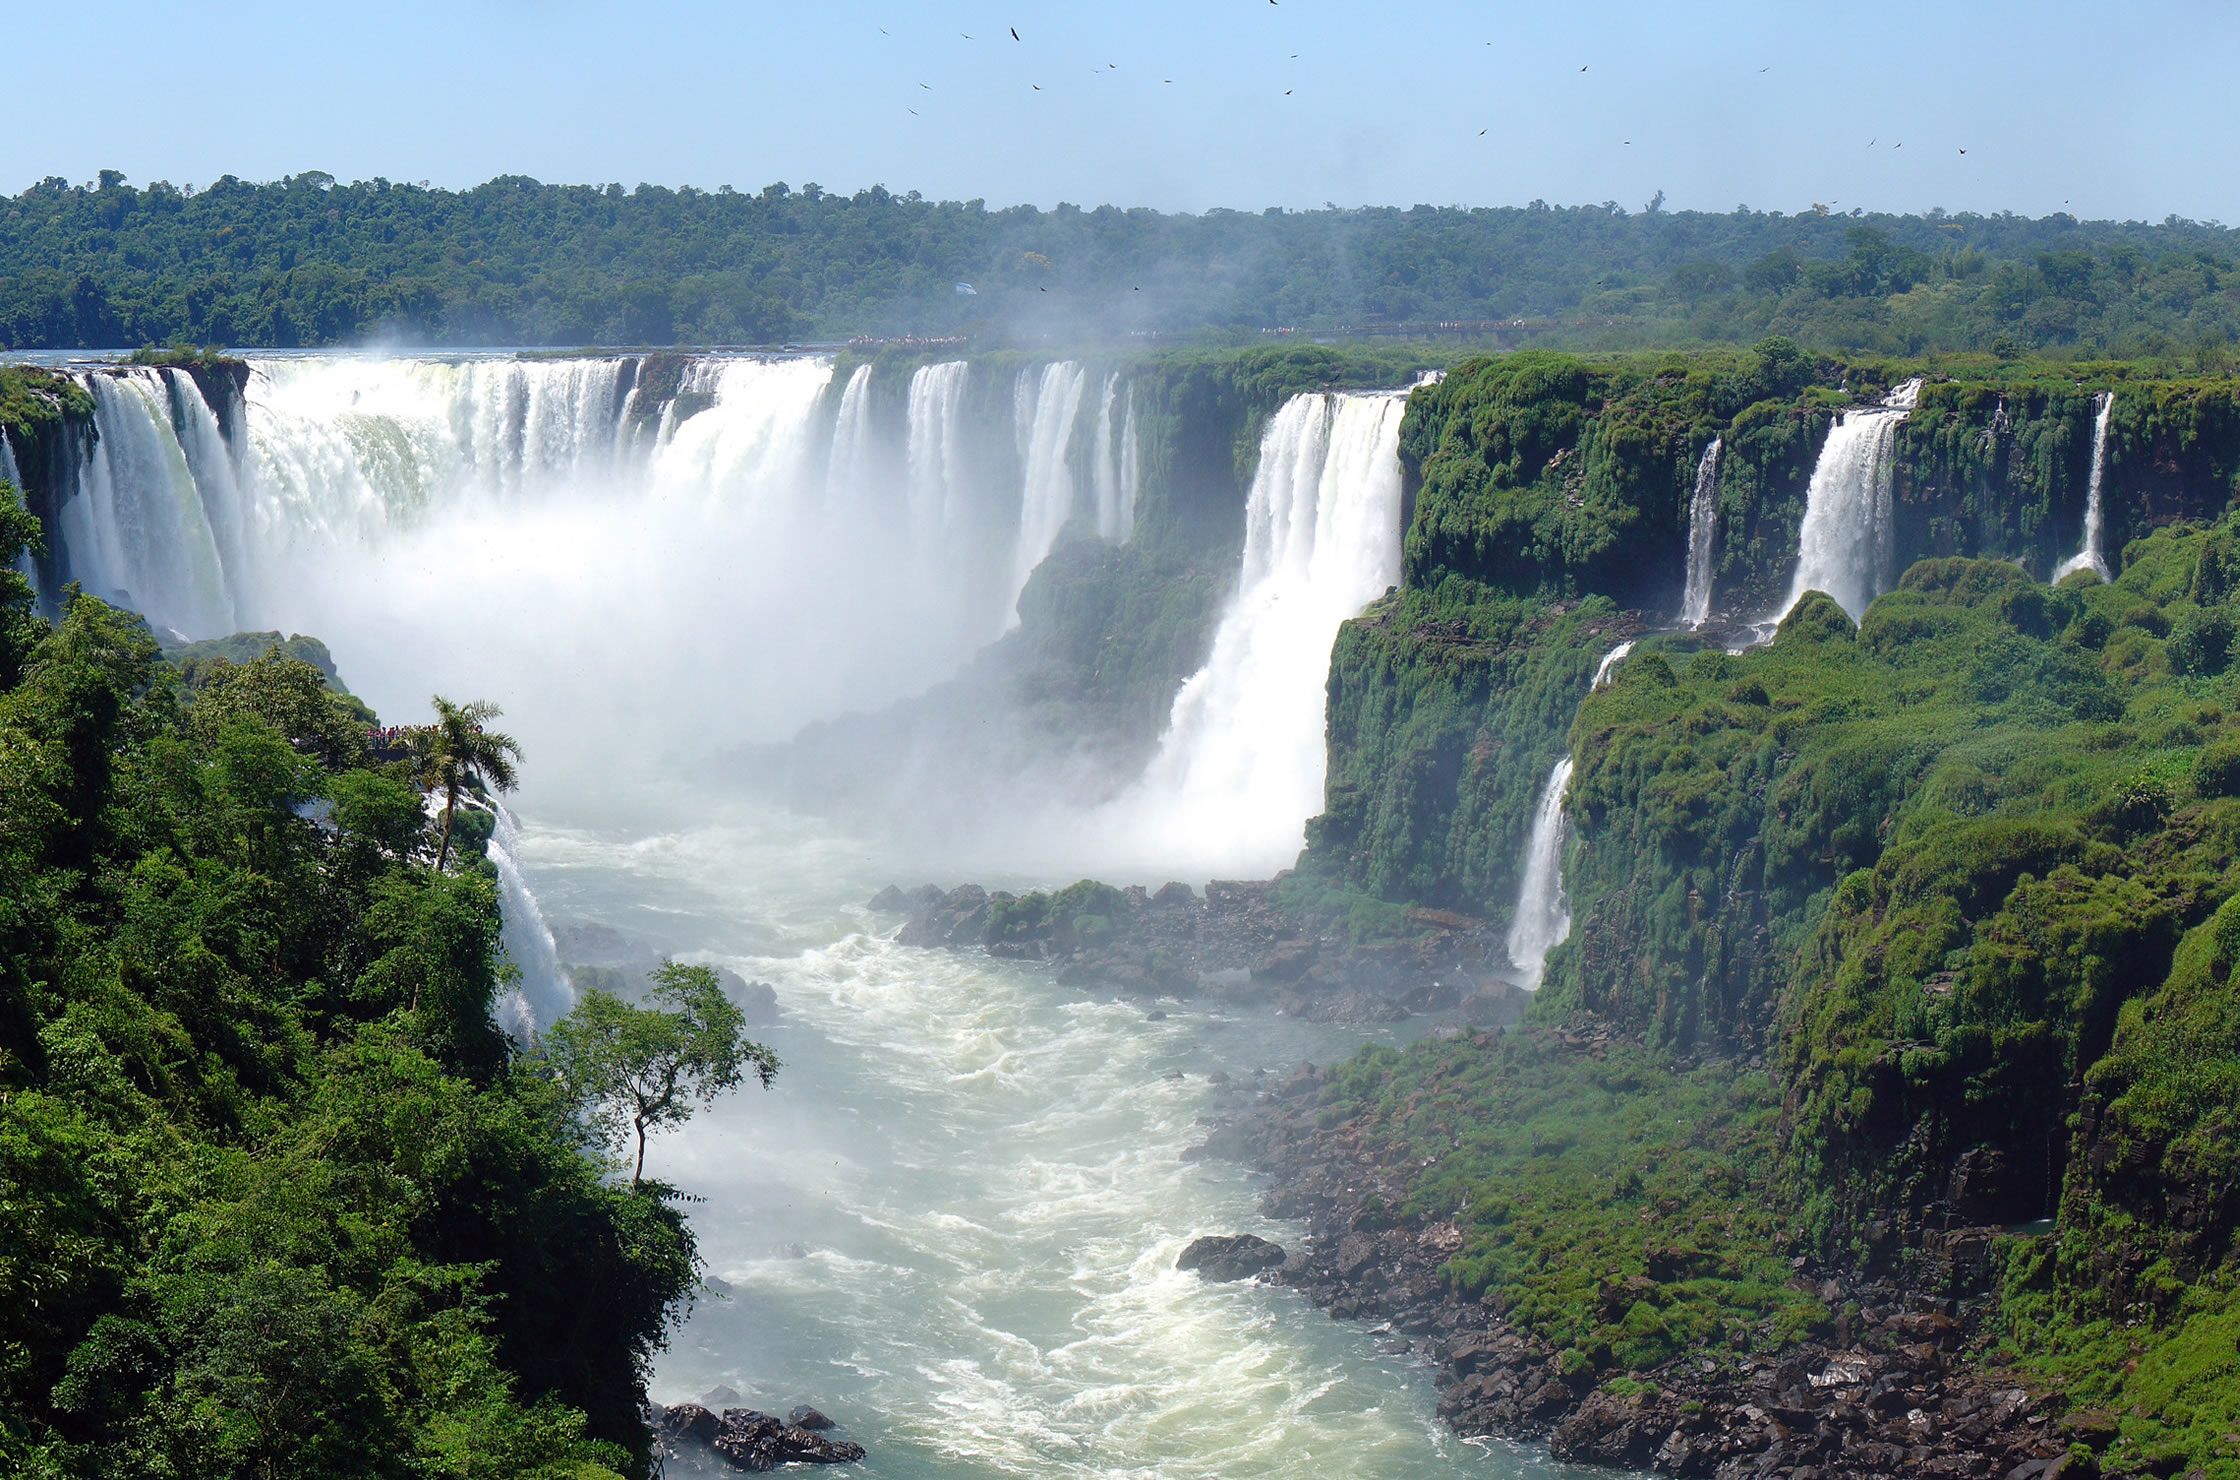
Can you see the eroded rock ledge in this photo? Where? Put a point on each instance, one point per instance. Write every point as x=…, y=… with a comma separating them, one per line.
x=1232, y=944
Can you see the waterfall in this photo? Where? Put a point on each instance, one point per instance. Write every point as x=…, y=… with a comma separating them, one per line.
x=543, y=993
x=2090, y=557
x=1703, y=539
x=1046, y=404
x=134, y=524
x=1848, y=541
x=1543, y=916
x=850, y=466
x=477, y=524
x=1240, y=767
x=1115, y=462
x=936, y=436
x=1610, y=661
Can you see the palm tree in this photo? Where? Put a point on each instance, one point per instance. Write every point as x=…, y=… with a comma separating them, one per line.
x=459, y=752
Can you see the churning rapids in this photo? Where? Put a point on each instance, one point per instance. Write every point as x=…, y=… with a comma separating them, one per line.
x=953, y=1223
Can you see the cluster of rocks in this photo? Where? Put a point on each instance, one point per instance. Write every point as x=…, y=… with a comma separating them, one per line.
x=745, y=1439
x=1233, y=944
x=1892, y=1393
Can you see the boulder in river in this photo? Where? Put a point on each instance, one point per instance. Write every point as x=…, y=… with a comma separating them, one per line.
x=686, y=1421
x=758, y=1000
x=1232, y=1256
x=757, y=1441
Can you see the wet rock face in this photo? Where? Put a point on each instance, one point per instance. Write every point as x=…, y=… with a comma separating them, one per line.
x=958, y=919
x=1232, y=945
x=759, y=1442
x=1234, y=1256
x=747, y=1439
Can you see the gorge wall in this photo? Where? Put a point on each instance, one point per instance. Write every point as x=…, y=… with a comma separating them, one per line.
x=1934, y=895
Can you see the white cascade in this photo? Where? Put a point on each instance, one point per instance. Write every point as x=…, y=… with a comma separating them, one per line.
x=342, y=445
x=1703, y=539
x=1131, y=470
x=1240, y=767
x=850, y=471
x=134, y=525
x=1847, y=543
x=936, y=441
x=1543, y=916
x=1115, y=462
x=543, y=993
x=1610, y=661
x=1046, y=405
x=2090, y=557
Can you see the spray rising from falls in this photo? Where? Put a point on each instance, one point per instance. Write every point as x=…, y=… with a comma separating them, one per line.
x=1240, y=768
x=461, y=523
x=1703, y=539
x=1849, y=538
x=2090, y=557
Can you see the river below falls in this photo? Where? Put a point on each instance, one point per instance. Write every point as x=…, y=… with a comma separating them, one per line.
x=953, y=1223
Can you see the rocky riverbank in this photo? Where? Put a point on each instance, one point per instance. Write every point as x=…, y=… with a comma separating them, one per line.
x=1234, y=944
x=1893, y=1387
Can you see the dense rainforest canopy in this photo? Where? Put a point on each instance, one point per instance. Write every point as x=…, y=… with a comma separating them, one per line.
x=309, y=260
x=277, y=1197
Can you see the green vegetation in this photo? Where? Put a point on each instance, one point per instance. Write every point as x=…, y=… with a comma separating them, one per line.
x=1082, y=913
x=642, y=1069
x=1614, y=1206
x=310, y=260
x=1959, y=876
x=276, y=1195
x=460, y=755
x=182, y=357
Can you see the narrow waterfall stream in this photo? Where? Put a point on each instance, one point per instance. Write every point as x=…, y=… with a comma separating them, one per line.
x=2090, y=556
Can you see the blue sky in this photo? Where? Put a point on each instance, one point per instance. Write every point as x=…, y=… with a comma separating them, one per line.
x=2103, y=110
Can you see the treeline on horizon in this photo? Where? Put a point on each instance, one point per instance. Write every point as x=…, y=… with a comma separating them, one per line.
x=312, y=261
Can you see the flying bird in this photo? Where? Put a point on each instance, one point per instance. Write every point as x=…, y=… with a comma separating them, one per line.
x=1481, y=133
x=1582, y=69
x=927, y=86
x=1036, y=86
x=1014, y=33
x=966, y=37
x=1765, y=69
x=1287, y=92
x=1870, y=142
x=1963, y=151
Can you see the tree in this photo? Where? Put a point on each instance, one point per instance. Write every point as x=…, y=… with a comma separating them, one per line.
x=634, y=1070
x=459, y=752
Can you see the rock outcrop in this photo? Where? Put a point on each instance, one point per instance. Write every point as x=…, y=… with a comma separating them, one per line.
x=1233, y=1256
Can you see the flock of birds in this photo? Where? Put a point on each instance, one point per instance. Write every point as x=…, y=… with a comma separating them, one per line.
x=1109, y=67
